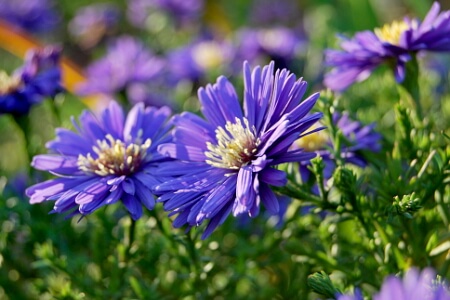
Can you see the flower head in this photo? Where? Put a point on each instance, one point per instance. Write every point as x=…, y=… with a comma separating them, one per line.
x=106, y=160
x=392, y=44
x=30, y=15
x=38, y=78
x=227, y=162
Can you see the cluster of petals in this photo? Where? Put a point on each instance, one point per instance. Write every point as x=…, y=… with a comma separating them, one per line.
x=107, y=159
x=226, y=162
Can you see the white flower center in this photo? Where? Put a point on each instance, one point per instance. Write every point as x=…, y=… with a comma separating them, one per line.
x=236, y=145
x=391, y=33
x=314, y=141
x=114, y=157
x=8, y=83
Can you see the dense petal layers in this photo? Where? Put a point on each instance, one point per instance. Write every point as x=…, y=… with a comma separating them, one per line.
x=107, y=160
x=228, y=162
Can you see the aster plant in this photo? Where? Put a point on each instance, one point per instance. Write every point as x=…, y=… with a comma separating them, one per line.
x=226, y=162
x=395, y=44
x=105, y=161
x=38, y=78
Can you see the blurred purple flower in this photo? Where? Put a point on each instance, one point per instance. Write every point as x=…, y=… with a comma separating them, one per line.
x=92, y=22
x=106, y=160
x=415, y=285
x=30, y=15
x=281, y=12
x=358, y=138
x=392, y=44
x=38, y=78
x=279, y=44
x=127, y=63
x=194, y=61
x=180, y=10
x=226, y=163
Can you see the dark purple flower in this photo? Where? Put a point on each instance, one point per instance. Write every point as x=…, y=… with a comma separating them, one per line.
x=106, y=160
x=358, y=138
x=392, y=44
x=226, y=162
x=38, y=78
x=92, y=22
x=180, y=10
x=29, y=15
x=126, y=63
x=415, y=285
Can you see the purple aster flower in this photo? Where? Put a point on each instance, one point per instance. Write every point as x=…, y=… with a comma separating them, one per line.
x=126, y=63
x=29, y=15
x=393, y=44
x=92, y=22
x=106, y=160
x=415, y=285
x=226, y=162
x=38, y=78
x=180, y=10
x=358, y=138
x=280, y=44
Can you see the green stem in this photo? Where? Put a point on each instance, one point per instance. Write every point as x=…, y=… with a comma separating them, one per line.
x=131, y=235
x=411, y=84
x=23, y=122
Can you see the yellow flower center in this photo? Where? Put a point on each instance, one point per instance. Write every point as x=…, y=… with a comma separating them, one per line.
x=391, y=33
x=208, y=55
x=114, y=157
x=314, y=141
x=236, y=145
x=8, y=83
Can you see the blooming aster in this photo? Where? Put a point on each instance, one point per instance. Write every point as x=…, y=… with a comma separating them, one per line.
x=358, y=138
x=30, y=15
x=226, y=162
x=393, y=44
x=106, y=160
x=38, y=78
x=415, y=285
